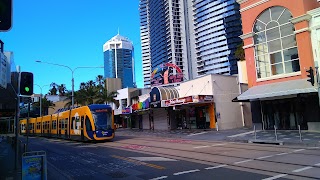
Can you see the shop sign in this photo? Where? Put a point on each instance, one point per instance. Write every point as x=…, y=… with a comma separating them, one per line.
x=205, y=98
x=176, y=101
x=126, y=110
x=166, y=73
x=155, y=101
x=117, y=111
x=34, y=165
x=140, y=105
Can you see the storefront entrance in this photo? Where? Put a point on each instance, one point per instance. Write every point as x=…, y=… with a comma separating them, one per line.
x=287, y=114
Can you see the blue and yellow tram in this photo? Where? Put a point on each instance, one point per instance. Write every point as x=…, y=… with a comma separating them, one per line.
x=87, y=123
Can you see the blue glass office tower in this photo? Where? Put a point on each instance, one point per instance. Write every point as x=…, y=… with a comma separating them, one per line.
x=217, y=26
x=119, y=60
x=166, y=32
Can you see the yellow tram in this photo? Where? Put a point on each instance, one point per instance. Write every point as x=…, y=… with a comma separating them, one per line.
x=87, y=123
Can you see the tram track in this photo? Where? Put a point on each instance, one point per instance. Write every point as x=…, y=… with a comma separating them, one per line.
x=230, y=164
x=232, y=145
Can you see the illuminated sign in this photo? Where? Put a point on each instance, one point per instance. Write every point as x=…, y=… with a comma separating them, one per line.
x=166, y=74
x=102, y=110
x=126, y=111
x=177, y=101
x=141, y=105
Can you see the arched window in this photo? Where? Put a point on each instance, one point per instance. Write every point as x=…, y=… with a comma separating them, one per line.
x=275, y=43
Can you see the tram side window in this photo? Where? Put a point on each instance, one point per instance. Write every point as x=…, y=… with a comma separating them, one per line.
x=67, y=123
x=60, y=123
x=72, y=122
x=88, y=124
x=54, y=124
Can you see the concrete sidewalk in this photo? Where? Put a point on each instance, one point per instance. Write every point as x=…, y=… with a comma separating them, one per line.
x=287, y=137
x=7, y=160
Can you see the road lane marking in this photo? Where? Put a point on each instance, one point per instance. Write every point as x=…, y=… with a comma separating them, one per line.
x=275, y=177
x=263, y=157
x=197, y=134
x=302, y=169
x=216, y=167
x=317, y=164
x=198, y=147
x=158, y=178
x=138, y=162
x=152, y=159
x=281, y=154
x=298, y=150
x=218, y=145
x=186, y=172
x=241, y=134
x=239, y=162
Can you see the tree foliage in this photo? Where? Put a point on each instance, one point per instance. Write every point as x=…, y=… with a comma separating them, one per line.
x=91, y=92
x=239, y=53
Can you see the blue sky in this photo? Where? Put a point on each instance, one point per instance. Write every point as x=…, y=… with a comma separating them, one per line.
x=72, y=33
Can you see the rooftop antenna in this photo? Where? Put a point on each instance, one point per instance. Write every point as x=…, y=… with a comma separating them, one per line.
x=118, y=31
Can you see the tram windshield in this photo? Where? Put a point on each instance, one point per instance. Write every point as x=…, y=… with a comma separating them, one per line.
x=102, y=119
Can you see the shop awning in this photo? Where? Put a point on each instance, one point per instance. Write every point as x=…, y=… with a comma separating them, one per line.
x=280, y=89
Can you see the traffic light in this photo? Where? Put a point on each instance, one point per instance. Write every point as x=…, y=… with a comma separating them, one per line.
x=26, y=83
x=311, y=76
x=5, y=15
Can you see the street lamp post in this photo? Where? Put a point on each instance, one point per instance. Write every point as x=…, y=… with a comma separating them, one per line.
x=72, y=72
x=41, y=97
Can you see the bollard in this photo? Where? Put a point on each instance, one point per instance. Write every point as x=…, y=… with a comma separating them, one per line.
x=255, y=132
x=217, y=126
x=275, y=132
x=300, y=133
x=25, y=148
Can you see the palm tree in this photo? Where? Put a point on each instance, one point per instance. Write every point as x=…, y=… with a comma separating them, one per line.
x=62, y=90
x=104, y=97
x=100, y=81
x=53, y=90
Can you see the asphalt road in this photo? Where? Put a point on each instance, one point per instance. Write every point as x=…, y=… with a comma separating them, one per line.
x=128, y=157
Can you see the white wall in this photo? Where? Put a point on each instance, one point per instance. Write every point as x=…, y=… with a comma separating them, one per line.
x=314, y=25
x=198, y=86
x=225, y=89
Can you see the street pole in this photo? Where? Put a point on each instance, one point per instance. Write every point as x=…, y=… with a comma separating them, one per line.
x=17, y=120
x=41, y=103
x=72, y=91
x=318, y=81
x=72, y=72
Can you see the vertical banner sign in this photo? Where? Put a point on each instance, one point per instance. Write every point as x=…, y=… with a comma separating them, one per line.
x=34, y=165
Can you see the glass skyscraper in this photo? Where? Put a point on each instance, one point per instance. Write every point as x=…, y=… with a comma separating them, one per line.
x=119, y=60
x=217, y=29
x=166, y=32
x=200, y=36
x=145, y=42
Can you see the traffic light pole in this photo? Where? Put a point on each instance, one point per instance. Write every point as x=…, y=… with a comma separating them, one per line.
x=16, y=122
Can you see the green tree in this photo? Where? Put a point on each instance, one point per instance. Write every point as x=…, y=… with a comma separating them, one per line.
x=53, y=90
x=239, y=53
x=62, y=90
x=105, y=97
x=46, y=104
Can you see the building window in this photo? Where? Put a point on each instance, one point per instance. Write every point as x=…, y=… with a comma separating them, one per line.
x=275, y=43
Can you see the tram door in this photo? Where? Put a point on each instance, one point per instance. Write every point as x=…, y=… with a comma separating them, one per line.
x=66, y=128
x=82, y=128
x=60, y=126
